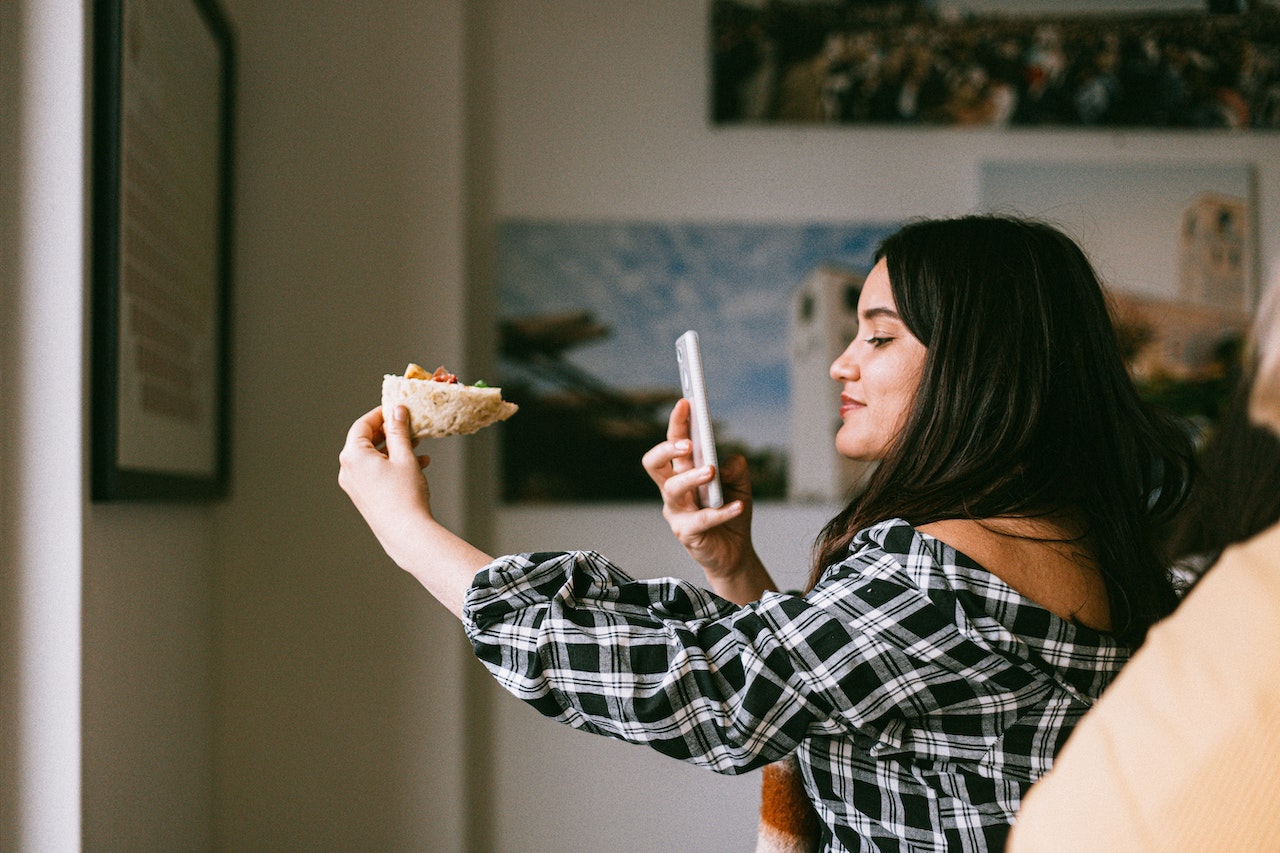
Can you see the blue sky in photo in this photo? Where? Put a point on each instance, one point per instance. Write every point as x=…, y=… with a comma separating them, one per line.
x=651, y=281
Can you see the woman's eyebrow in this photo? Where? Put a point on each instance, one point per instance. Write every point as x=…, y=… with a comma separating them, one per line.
x=880, y=312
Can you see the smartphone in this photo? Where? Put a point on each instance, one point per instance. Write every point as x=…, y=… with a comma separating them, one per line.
x=693, y=386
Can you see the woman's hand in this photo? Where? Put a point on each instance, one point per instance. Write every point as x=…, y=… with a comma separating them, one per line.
x=390, y=491
x=387, y=486
x=719, y=540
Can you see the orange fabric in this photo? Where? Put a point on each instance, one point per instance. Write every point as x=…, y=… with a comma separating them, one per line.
x=788, y=822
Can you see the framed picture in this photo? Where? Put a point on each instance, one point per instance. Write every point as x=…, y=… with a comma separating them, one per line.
x=1168, y=64
x=162, y=142
x=590, y=314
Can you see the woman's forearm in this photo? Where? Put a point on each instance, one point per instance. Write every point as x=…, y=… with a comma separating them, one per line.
x=444, y=563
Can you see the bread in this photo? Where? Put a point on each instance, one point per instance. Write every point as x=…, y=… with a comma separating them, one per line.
x=439, y=405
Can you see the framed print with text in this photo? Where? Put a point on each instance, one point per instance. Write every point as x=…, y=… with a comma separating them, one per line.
x=162, y=134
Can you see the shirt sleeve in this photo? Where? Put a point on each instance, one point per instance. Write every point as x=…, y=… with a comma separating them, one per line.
x=670, y=665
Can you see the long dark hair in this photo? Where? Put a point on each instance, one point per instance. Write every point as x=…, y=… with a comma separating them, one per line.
x=1025, y=407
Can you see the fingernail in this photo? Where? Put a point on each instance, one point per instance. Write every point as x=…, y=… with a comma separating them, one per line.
x=400, y=413
x=682, y=446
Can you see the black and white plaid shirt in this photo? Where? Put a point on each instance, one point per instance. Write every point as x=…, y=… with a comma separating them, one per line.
x=923, y=693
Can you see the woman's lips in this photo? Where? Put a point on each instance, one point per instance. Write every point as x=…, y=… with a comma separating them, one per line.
x=848, y=404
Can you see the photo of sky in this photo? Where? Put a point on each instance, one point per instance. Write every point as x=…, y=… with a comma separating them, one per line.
x=651, y=281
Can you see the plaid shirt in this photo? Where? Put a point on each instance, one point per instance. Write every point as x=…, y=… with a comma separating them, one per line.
x=922, y=693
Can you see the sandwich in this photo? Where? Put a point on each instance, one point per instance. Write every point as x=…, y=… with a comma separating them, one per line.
x=440, y=405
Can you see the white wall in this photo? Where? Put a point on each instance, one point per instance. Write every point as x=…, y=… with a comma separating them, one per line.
x=137, y=640
x=41, y=491
x=146, y=677
x=339, y=685
x=600, y=113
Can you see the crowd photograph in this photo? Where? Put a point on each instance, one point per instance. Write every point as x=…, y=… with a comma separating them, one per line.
x=910, y=62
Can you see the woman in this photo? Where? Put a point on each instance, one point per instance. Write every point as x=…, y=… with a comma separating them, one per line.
x=963, y=612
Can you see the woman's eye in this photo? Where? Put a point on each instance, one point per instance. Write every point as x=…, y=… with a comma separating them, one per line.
x=878, y=342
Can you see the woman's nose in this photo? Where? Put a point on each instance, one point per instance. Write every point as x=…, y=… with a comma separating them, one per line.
x=845, y=367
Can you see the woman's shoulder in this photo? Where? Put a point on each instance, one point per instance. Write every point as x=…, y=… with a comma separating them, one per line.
x=1044, y=559
x=909, y=563
x=895, y=545
x=946, y=566
x=895, y=535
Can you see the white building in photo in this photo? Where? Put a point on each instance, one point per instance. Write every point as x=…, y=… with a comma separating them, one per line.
x=1214, y=252
x=824, y=318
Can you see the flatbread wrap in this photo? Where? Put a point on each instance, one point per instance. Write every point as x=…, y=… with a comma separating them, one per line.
x=439, y=405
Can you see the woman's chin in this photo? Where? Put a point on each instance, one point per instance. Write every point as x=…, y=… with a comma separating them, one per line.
x=857, y=452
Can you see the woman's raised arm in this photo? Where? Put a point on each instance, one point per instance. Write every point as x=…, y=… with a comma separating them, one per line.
x=390, y=490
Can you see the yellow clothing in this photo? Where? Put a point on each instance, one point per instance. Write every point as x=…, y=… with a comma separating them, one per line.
x=1182, y=752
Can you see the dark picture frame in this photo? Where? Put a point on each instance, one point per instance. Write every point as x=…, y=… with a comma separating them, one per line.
x=163, y=87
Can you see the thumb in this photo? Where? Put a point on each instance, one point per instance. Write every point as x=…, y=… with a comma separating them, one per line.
x=399, y=442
